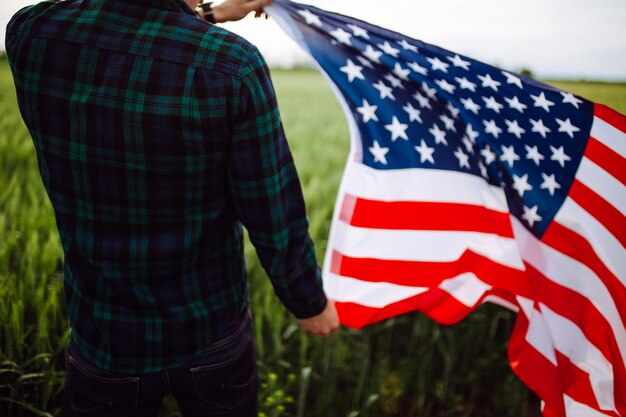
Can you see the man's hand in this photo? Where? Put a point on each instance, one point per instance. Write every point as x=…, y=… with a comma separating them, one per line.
x=233, y=10
x=324, y=324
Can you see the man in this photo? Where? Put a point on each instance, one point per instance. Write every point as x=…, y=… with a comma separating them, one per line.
x=157, y=135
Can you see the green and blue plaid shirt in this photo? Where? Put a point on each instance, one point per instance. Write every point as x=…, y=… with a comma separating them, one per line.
x=157, y=136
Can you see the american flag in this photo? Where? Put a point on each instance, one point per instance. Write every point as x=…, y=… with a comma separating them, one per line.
x=467, y=183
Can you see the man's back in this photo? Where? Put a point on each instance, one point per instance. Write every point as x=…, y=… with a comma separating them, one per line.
x=156, y=134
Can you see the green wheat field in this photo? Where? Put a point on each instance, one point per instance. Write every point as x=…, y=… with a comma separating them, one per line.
x=408, y=366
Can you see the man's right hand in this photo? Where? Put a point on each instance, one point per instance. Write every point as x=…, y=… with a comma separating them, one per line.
x=324, y=324
x=233, y=10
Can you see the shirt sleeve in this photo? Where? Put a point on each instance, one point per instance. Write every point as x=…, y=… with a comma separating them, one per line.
x=268, y=197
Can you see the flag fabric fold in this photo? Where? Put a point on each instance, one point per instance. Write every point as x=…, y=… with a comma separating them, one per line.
x=465, y=184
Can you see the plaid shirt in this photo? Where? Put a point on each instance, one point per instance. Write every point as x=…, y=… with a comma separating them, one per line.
x=158, y=135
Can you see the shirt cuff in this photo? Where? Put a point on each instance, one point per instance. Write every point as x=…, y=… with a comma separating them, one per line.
x=313, y=306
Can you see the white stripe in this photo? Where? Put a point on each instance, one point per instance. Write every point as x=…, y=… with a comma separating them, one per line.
x=605, y=245
x=427, y=246
x=603, y=184
x=610, y=136
x=466, y=288
x=549, y=331
x=281, y=16
x=572, y=343
x=571, y=274
x=370, y=294
x=576, y=409
x=501, y=302
x=416, y=184
x=538, y=334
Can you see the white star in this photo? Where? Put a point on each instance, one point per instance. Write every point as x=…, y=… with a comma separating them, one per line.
x=422, y=100
x=414, y=114
x=471, y=133
x=469, y=104
x=514, y=128
x=521, y=184
x=492, y=104
x=401, y=72
x=448, y=122
x=468, y=144
x=514, y=103
x=311, y=19
x=492, y=128
x=379, y=153
x=446, y=86
x=358, y=31
x=385, y=92
x=430, y=92
x=542, y=101
x=437, y=64
x=407, y=46
x=531, y=216
x=457, y=61
x=549, y=183
x=342, y=36
x=397, y=129
x=439, y=135
x=395, y=83
x=512, y=79
x=540, y=128
x=372, y=54
x=483, y=170
x=365, y=62
x=567, y=127
x=488, y=155
x=559, y=156
x=488, y=82
x=462, y=157
x=453, y=110
x=571, y=99
x=466, y=84
x=389, y=50
x=426, y=152
x=418, y=68
x=533, y=154
x=509, y=155
x=368, y=111
x=353, y=71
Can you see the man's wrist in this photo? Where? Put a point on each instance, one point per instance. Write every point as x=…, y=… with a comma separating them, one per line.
x=207, y=11
x=218, y=13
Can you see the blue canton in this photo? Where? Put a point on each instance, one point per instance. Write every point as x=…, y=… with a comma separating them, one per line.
x=420, y=106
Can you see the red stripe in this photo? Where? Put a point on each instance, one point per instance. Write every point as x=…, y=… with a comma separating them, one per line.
x=607, y=159
x=575, y=246
x=548, y=381
x=610, y=116
x=578, y=309
x=537, y=372
x=504, y=295
x=430, y=274
x=575, y=384
x=549, y=412
x=437, y=304
x=409, y=215
x=600, y=209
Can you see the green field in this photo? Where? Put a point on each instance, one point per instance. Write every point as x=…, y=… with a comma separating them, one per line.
x=408, y=366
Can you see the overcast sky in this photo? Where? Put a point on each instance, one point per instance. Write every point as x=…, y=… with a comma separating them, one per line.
x=553, y=38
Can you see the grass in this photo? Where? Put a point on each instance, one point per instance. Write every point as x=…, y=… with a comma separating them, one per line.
x=408, y=366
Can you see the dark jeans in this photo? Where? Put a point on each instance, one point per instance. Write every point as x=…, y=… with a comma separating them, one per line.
x=222, y=381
